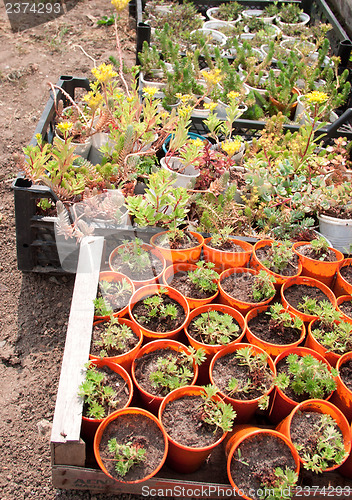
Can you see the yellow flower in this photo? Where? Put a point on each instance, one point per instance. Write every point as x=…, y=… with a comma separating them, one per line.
x=233, y=95
x=317, y=97
x=93, y=100
x=184, y=98
x=64, y=127
x=198, y=143
x=185, y=111
x=149, y=91
x=210, y=105
x=119, y=4
x=231, y=147
x=104, y=73
x=213, y=76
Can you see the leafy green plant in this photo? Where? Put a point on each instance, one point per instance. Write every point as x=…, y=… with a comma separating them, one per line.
x=327, y=447
x=162, y=203
x=175, y=370
x=216, y=413
x=281, y=319
x=156, y=308
x=134, y=256
x=111, y=292
x=333, y=333
x=258, y=374
x=290, y=13
x=320, y=247
x=215, y=328
x=96, y=394
x=262, y=287
x=127, y=455
x=307, y=375
x=204, y=277
x=229, y=11
x=106, y=20
x=115, y=338
x=280, y=256
x=281, y=487
x=308, y=305
x=221, y=237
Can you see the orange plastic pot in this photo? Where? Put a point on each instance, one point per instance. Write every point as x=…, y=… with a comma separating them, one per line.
x=148, y=290
x=341, y=300
x=272, y=349
x=258, y=265
x=319, y=406
x=245, y=409
x=209, y=349
x=341, y=286
x=225, y=259
x=110, y=420
x=151, y=401
x=303, y=280
x=312, y=343
x=148, y=248
x=190, y=255
x=282, y=405
x=242, y=432
x=125, y=359
x=342, y=397
x=90, y=425
x=112, y=276
x=318, y=269
x=169, y=273
x=230, y=300
x=186, y=459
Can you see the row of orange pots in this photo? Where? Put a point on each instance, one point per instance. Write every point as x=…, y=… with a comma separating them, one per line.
x=321, y=270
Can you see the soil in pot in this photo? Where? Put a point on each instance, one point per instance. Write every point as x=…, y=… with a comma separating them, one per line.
x=238, y=378
x=295, y=293
x=214, y=328
x=153, y=267
x=227, y=246
x=346, y=273
x=107, y=404
x=184, y=241
x=255, y=461
x=264, y=254
x=308, y=251
x=266, y=329
x=139, y=432
x=346, y=374
x=170, y=314
x=154, y=378
x=184, y=285
x=311, y=439
x=184, y=421
x=346, y=308
x=240, y=285
x=110, y=339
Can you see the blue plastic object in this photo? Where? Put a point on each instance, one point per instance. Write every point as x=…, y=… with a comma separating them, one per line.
x=191, y=135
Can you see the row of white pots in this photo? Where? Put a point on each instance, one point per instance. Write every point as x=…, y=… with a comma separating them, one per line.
x=305, y=18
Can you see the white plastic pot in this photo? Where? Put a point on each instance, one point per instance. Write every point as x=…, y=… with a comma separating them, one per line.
x=212, y=13
x=81, y=148
x=305, y=18
x=337, y=231
x=302, y=117
x=187, y=178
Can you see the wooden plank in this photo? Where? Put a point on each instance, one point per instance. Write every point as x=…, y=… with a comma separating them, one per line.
x=95, y=480
x=68, y=409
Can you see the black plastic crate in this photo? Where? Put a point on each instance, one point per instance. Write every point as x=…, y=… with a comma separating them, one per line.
x=35, y=234
x=319, y=10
